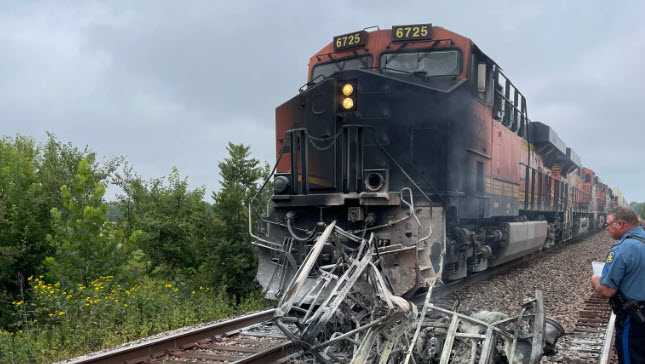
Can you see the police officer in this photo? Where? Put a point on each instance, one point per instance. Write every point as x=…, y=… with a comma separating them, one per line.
x=623, y=282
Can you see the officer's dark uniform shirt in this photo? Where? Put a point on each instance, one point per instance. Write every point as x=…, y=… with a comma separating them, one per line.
x=625, y=266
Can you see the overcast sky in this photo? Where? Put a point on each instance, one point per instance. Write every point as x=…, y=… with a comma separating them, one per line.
x=170, y=83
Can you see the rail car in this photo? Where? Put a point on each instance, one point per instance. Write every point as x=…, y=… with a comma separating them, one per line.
x=414, y=134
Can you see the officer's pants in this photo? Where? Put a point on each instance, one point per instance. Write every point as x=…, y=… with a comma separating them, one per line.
x=630, y=341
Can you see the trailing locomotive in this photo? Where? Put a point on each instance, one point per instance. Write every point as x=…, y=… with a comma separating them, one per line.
x=416, y=135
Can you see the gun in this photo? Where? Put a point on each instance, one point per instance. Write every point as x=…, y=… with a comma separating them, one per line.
x=636, y=310
x=622, y=307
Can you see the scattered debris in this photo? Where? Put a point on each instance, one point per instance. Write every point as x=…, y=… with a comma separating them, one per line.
x=350, y=315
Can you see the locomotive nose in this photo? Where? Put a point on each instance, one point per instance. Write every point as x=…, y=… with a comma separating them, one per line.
x=321, y=145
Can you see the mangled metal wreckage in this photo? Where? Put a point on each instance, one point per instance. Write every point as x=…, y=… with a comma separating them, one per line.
x=350, y=315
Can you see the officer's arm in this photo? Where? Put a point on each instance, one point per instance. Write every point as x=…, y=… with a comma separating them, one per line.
x=601, y=288
x=613, y=273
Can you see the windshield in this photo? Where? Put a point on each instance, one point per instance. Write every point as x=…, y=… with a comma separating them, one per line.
x=328, y=69
x=435, y=63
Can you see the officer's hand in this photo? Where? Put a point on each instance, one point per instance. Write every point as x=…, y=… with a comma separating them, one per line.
x=601, y=289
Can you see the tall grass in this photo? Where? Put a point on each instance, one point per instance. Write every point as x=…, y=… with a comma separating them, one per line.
x=58, y=323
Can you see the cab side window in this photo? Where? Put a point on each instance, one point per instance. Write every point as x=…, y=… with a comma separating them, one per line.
x=480, y=77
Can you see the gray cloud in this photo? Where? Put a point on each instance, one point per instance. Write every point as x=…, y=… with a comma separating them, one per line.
x=168, y=83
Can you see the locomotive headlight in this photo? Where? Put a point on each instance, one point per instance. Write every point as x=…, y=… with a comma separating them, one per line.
x=348, y=103
x=346, y=98
x=348, y=89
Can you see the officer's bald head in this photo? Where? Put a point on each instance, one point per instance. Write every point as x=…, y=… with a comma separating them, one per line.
x=625, y=214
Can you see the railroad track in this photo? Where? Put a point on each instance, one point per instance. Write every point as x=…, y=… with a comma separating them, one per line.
x=202, y=343
x=591, y=339
x=246, y=339
x=218, y=353
x=258, y=343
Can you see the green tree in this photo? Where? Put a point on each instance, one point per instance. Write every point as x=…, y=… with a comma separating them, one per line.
x=31, y=177
x=58, y=166
x=23, y=218
x=86, y=244
x=54, y=221
x=172, y=221
x=232, y=261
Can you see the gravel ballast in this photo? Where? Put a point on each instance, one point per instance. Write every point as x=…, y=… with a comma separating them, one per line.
x=564, y=276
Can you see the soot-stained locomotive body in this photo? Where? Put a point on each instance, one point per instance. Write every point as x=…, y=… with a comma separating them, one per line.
x=415, y=135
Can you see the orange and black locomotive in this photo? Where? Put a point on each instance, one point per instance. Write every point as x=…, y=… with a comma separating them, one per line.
x=414, y=134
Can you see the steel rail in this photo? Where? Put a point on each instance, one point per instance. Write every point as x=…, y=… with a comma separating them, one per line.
x=609, y=337
x=275, y=354
x=144, y=350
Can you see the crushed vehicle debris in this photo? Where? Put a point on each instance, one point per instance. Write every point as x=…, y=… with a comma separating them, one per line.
x=350, y=315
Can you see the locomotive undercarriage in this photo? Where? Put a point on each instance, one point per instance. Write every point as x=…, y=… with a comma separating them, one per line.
x=414, y=241
x=474, y=247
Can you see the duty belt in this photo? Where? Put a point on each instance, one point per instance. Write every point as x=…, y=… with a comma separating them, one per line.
x=623, y=307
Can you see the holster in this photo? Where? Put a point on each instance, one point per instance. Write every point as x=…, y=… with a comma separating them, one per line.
x=624, y=308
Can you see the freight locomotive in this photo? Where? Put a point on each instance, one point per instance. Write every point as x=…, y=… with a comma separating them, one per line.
x=415, y=135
